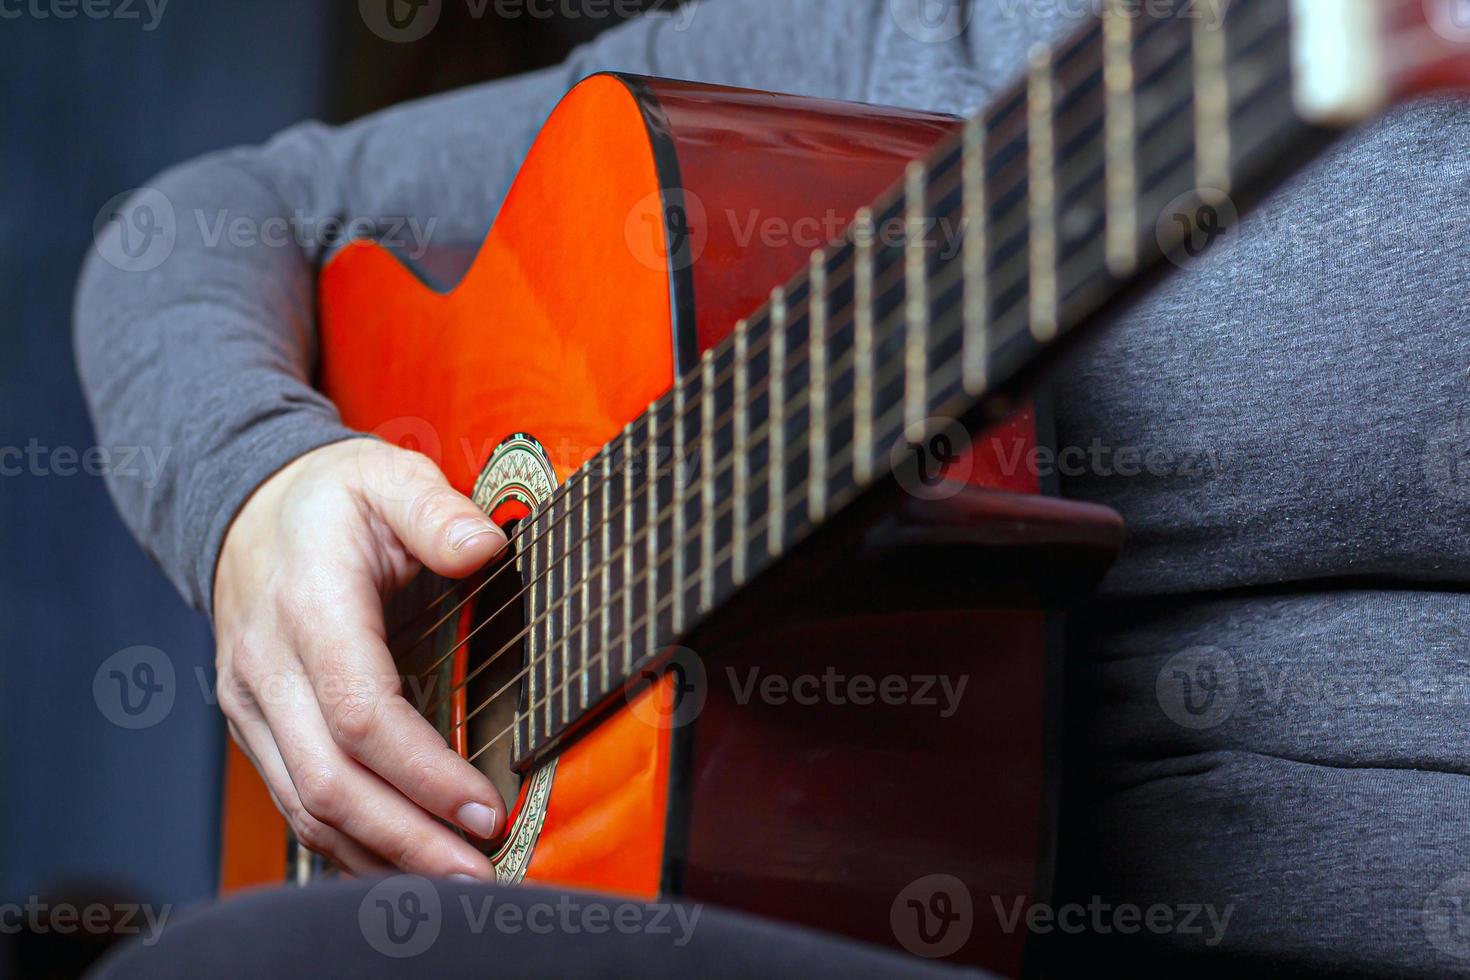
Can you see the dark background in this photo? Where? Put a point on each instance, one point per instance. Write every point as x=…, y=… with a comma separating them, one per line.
x=92, y=108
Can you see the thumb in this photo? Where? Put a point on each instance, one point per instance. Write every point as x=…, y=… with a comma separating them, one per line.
x=440, y=526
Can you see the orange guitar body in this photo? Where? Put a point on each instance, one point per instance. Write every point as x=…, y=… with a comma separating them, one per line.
x=649, y=217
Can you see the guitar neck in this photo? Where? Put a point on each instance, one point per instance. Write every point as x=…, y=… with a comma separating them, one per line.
x=1123, y=145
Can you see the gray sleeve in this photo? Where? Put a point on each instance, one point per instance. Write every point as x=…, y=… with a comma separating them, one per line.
x=194, y=314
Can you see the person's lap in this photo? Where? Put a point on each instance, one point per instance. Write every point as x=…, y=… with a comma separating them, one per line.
x=409, y=926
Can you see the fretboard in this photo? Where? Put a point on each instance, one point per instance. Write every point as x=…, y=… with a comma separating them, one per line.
x=979, y=259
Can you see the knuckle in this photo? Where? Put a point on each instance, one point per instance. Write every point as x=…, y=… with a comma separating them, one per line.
x=352, y=716
x=415, y=854
x=320, y=789
x=431, y=505
x=427, y=774
x=245, y=659
x=310, y=832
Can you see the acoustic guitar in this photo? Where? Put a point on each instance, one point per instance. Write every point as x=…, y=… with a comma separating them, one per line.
x=778, y=627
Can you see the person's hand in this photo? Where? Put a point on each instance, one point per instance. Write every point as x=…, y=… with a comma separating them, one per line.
x=305, y=676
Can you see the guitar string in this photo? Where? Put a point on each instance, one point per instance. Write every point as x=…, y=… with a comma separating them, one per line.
x=887, y=282
x=648, y=618
x=841, y=412
x=564, y=602
x=839, y=368
x=890, y=278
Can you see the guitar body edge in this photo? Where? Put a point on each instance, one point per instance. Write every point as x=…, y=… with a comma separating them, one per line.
x=648, y=217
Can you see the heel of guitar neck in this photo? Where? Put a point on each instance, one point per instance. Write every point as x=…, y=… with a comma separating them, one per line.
x=1339, y=60
x=1352, y=58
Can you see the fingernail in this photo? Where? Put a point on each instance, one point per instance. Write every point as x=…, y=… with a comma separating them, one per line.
x=467, y=879
x=462, y=533
x=478, y=819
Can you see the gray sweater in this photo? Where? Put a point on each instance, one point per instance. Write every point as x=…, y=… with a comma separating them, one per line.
x=1268, y=706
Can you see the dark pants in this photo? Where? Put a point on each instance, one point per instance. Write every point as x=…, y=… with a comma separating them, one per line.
x=406, y=926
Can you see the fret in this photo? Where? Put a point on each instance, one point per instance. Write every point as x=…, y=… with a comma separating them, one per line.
x=1212, y=105
x=627, y=630
x=677, y=493
x=817, y=357
x=1050, y=194
x=584, y=612
x=604, y=624
x=863, y=347
x=563, y=638
x=916, y=296
x=741, y=452
x=652, y=541
x=541, y=590
x=1121, y=139
x=526, y=556
x=1041, y=193
x=776, y=427
x=975, y=350
x=548, y=618
x=707, y=483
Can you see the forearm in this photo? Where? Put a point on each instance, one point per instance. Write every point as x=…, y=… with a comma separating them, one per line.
x=209, y=354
